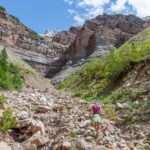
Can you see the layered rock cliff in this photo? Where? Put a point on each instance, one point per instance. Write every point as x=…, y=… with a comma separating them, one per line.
x=27, y=44
x=96, y=37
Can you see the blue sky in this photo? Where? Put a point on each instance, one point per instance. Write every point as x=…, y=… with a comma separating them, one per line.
x=40, y=15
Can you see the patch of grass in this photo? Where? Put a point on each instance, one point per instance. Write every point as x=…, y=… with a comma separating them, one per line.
x=37, y=110
x=2, y=8
x=8, y=121
x=112, y=98
x=95, y=78
x=10, y=75
x=3, y=99
x=73, y=134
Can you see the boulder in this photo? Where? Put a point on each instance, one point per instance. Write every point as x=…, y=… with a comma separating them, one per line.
x=66, y=145
x=4, y=146
x=83, y=145
x=36, y=140
x=85, y=123
x=43, y=99
x=37, y=125
x=23, y=115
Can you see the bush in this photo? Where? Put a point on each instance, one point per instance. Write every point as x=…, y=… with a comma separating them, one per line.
x=8, y=121
x=10, y=76
x=2, y=99
x=2, y=8
x=73, y=133
x=15, y=19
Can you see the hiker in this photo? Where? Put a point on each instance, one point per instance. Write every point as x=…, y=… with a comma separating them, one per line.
x=95, y=113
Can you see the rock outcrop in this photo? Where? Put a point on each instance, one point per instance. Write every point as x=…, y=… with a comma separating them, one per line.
x=96, y=37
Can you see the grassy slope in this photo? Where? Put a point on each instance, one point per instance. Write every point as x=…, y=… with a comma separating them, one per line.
x=97, y=78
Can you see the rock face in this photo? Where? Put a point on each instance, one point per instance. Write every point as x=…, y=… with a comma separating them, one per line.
x=96, y=37
x=28, y=45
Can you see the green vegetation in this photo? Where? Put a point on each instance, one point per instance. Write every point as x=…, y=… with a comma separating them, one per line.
x=34, y=34
x=10, y=76
x=2, y=8
x=15, y=19
x=8, y=121
x=2, y=99
x=97, y=78
x=73, y=133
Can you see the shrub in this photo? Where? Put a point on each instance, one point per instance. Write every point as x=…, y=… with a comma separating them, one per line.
x=10, y=75
x=15, y=19
x=2, y=8
x=34, y=34
x=8, y=121
x=73, y=133
x=2, y=99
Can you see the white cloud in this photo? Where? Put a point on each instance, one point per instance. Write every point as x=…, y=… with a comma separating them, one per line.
x=82, y=10
x=92, y=3
x=71, y=11
x=118, y=6
x=78, y=19
x=142, y=7
x=70, y=2
x=92, y=7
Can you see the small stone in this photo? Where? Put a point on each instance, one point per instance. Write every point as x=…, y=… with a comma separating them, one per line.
x=43, y=109
x=83, y=145
x=33, y=147
x=119, y=121
x=110, y=128
x=66, y=145
x=89, y=139
x=23, y=123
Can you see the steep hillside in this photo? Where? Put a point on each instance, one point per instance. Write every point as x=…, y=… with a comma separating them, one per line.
x=36, y=116
x=99, y=77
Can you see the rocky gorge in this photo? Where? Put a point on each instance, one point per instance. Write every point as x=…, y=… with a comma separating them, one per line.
x=45, y=118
